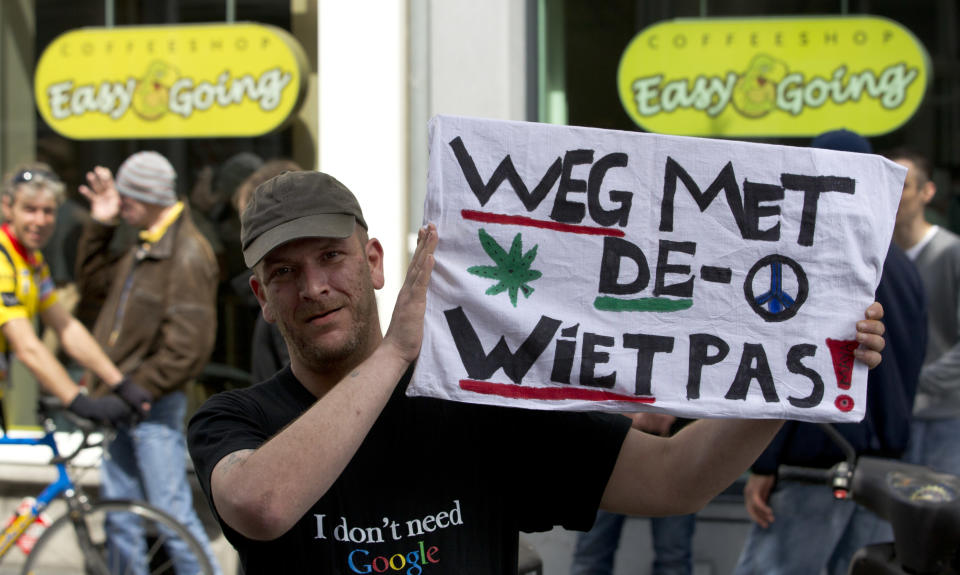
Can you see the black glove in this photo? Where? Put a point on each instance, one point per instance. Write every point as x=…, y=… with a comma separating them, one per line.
x=135, y=396
x=109, y=409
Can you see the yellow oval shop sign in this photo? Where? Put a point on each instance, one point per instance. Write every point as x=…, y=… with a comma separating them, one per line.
x=773, y=76
x=196, y=81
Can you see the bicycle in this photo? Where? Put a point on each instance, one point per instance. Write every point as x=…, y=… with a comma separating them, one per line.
x=76, y=541
x=922, y=506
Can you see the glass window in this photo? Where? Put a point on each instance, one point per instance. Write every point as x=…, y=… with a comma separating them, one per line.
x=28, y=27
x=580, y=44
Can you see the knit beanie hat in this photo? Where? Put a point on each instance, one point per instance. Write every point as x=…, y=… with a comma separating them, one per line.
x=148, y=177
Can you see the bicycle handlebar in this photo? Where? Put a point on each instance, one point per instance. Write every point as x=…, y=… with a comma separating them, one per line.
x=48, y=406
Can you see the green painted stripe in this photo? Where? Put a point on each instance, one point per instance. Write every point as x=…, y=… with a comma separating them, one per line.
x=605, y=303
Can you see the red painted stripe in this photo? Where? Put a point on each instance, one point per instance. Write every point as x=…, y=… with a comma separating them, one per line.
x=544, y=224
x=547, y=393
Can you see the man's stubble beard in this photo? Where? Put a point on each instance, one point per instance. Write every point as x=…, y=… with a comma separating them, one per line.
x=322, y=358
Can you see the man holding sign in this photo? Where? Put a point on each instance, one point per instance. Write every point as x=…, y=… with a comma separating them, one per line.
x=331, y=466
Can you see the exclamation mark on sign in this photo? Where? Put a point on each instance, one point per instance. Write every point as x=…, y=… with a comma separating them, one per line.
x=841, y=350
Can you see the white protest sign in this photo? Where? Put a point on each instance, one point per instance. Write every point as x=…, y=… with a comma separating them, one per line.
x=587, y=269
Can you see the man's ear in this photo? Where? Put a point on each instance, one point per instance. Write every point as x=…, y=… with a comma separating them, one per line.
x=260, y=291
x=928, y=192
x=374, y=253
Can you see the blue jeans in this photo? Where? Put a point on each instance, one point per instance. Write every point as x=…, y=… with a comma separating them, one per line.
x=811, y=533
x=148, y=462
x=672, y=545
x=933, y=442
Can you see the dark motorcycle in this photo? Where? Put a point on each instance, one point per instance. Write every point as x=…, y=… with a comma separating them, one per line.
x=923, y=507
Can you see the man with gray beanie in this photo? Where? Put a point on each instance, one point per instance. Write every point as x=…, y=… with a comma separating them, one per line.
x=157, y=324
x=330, y=468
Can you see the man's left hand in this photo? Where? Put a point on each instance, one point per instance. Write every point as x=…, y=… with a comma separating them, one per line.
x=870, y=335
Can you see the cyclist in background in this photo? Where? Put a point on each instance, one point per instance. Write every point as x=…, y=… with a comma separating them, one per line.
x=30, y=197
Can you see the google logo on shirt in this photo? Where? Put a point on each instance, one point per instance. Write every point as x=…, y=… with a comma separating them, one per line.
x=360, y=562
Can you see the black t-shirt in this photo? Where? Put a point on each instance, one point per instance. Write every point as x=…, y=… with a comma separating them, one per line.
x=436, y=487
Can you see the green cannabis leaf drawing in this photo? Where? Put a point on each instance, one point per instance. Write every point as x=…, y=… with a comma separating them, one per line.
x=512, y=270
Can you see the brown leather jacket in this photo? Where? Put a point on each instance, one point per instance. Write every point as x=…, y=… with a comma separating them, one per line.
x=158, y=321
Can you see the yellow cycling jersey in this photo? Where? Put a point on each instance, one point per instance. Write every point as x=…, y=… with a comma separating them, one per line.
x=26, y=288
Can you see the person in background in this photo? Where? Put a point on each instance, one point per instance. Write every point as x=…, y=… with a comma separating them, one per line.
x=158, y=324
x=672, y=536
x=213, y=209
x=800, y=528
x=31, y=196
x=268, y=350
x=936, y=252
x=331, y=466
x=213, y=213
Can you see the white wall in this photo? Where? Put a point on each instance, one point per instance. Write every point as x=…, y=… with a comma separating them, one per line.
x=385, y=68
x=477, y=58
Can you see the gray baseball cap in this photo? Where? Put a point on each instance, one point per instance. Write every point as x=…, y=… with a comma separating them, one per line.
x=296, y=205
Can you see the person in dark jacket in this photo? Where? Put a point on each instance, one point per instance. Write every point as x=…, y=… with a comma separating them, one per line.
x=801, y=528
x=158, y=324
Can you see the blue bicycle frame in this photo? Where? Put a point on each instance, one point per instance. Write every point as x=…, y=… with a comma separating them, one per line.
x=62, y=484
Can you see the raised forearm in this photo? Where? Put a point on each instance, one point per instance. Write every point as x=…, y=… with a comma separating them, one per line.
x=95, y=266
x=262, y=493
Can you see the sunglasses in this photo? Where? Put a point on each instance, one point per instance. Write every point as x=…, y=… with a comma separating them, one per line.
x=26, y=176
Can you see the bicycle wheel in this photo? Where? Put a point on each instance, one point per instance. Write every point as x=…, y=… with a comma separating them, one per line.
x=78, y=544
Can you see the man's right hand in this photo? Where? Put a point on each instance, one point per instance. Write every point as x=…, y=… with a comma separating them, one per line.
x=405, y=333
x=136, y=397
x=106, y=410
x=756, y=494
x=102, y=194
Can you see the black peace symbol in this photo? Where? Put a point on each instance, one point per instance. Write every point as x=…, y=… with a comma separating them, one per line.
x=775, y=304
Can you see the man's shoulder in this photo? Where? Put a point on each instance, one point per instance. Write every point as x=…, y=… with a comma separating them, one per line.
x=943, y=247
x=191, y=246
x=251, y=394
x=9, y=258
x=947, y=237
x=278, y=396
